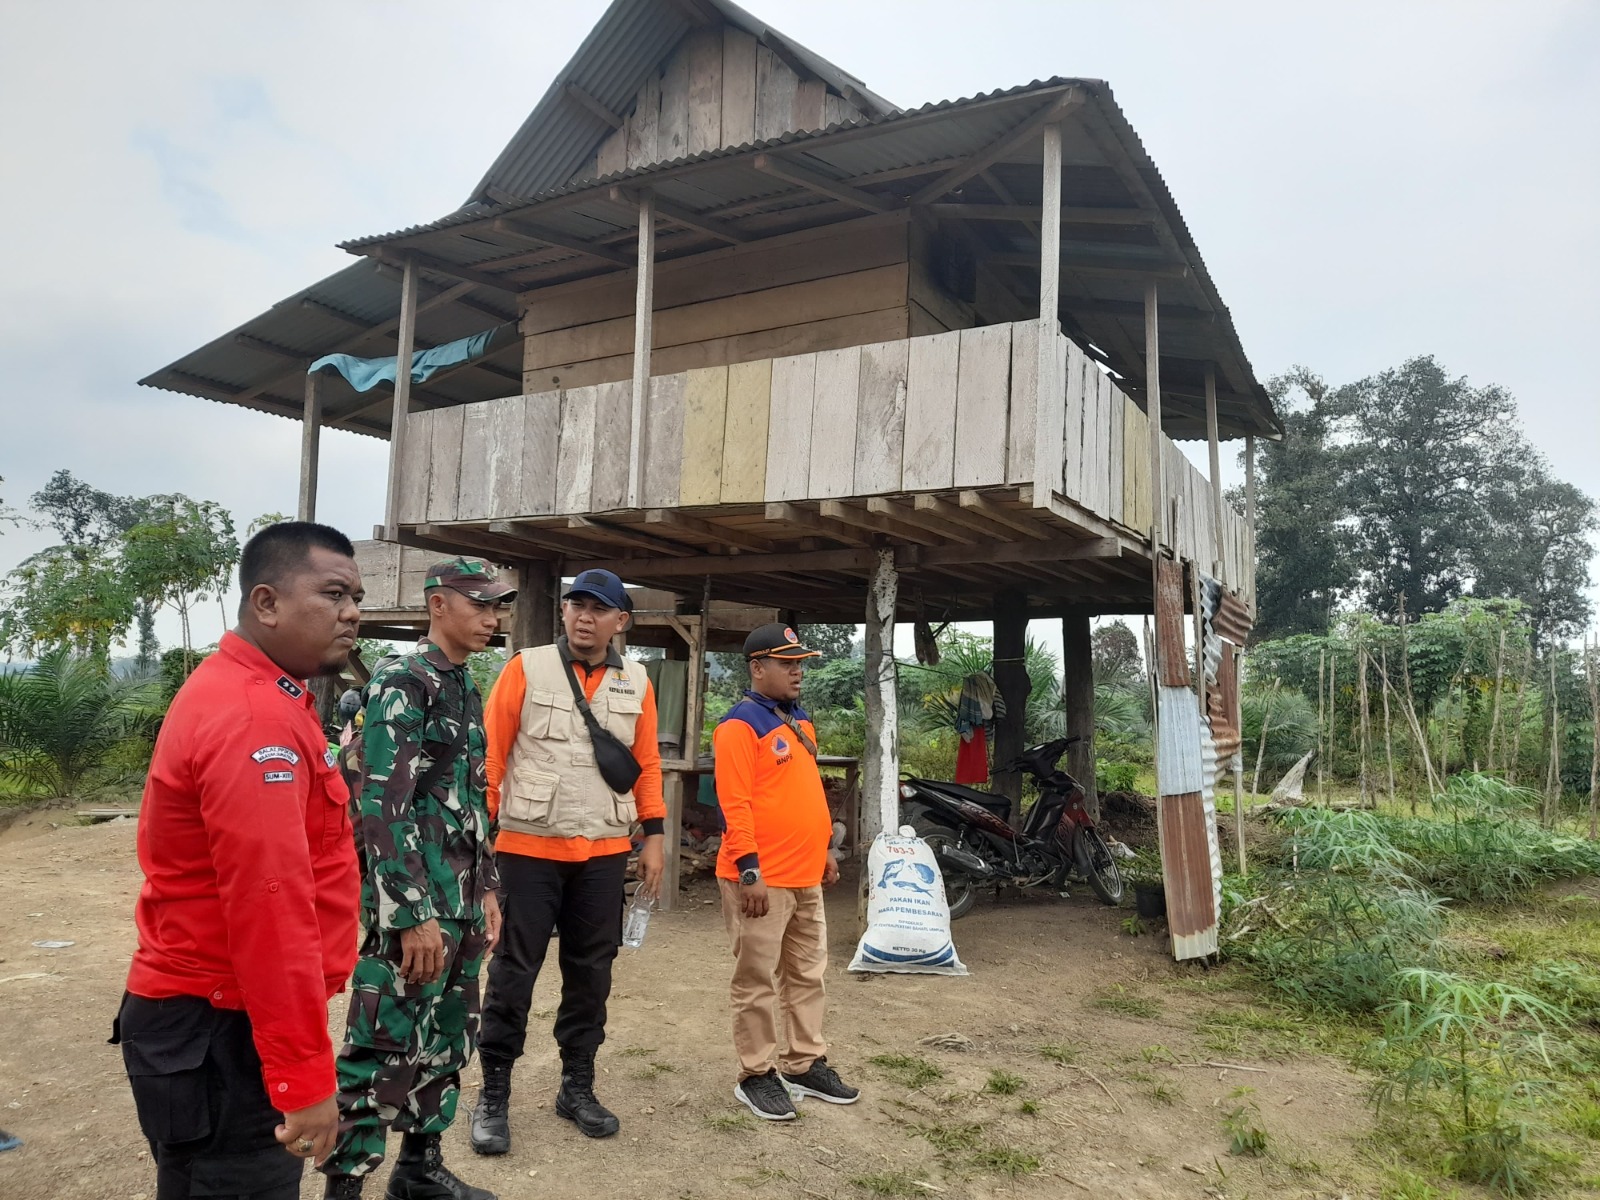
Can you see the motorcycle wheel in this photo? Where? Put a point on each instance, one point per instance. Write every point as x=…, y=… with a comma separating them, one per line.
x=1097, y=866
x=960, y=889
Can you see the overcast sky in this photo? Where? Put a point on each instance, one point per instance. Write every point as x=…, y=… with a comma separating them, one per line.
x=1366, y=182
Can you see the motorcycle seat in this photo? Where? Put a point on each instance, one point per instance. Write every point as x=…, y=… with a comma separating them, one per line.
x=999, y=805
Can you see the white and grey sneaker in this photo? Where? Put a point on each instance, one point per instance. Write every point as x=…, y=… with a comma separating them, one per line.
x=823, y=1082
x=766, y=1096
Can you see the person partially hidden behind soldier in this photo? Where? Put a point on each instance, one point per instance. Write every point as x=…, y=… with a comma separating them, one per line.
x=427, y=896
x=563, y=842
x=247, y=915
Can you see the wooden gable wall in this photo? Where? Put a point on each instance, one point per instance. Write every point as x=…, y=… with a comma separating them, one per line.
x=719, y=88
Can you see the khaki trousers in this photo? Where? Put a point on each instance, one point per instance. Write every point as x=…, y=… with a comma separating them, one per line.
x=779, y=960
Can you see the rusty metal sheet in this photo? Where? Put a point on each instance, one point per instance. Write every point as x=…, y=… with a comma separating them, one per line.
x=1222, y=704
x=1187, y=869
x=1178, y=741
x=1172, y=665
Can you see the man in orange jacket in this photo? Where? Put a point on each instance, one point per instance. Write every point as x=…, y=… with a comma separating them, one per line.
x=247, y=916
x=563, y=845
x=772, y=867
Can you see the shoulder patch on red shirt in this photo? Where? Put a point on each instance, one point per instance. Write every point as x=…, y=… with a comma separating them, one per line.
x=278, y=777
x=268, y=753
x=290, y=688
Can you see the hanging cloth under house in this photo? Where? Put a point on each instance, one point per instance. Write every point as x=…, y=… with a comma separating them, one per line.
x=977, y=708
x=364, y=374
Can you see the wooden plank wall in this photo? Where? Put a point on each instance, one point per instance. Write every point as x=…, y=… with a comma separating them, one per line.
x=950, y=410
x=822, y=289
x=719, y=87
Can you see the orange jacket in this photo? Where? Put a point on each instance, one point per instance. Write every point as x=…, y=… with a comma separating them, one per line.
x=771, y=796
x=502, y=715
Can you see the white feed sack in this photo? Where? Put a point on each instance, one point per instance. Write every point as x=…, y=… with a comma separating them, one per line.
x=908, y=918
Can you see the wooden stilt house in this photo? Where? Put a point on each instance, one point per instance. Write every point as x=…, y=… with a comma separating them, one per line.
x=780, y=344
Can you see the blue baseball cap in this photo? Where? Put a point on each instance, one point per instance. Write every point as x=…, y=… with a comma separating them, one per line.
x=602, y=586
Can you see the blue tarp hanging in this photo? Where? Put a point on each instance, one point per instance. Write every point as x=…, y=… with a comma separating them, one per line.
x=364, y=374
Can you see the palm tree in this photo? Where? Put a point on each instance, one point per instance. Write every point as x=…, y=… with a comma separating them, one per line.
x=63, y=720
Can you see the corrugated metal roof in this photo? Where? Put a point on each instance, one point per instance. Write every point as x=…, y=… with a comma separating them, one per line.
x=630, y=39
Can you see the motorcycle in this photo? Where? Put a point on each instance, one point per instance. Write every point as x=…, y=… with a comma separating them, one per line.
x=974, y=843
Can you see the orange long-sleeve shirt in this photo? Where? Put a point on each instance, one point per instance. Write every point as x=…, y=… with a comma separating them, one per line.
x=502, y=715
x=771, y=794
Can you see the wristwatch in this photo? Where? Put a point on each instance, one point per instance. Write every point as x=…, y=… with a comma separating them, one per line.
x=750, y=876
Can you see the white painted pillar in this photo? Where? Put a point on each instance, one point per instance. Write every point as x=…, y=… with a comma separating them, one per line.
x=880, y=768
x=402, y=397
x=310, y=448
x=643, y=314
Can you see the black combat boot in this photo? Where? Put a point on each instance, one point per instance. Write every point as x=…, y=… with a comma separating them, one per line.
x=420, y=1174
x=491, y=1122
x=576, y=1100
x=343, y=1187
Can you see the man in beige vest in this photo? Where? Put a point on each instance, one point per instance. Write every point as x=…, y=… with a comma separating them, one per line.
x=563, y=845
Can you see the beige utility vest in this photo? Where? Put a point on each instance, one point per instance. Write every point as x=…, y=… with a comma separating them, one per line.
x=552, y=787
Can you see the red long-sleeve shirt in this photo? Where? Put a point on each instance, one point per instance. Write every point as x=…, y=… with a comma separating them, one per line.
x=251, y=886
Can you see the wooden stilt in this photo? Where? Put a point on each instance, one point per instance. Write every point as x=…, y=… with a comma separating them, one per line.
x=1215, y=451
x=533, y=612
x=672, y=793
x=643, y=316
x=1077, y=688
x=310, y=447
x=1011, y=674
x=402, y=396
x=880, y=776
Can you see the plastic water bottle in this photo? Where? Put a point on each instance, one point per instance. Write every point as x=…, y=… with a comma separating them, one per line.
x=637, y=919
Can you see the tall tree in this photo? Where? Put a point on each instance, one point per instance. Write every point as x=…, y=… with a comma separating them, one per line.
x=1423, y=450
x=1114, y=651
x=1302, y=543
x=182, y=551
x=59, y=597
x=835, y=641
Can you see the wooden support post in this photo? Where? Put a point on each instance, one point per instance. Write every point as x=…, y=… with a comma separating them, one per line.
x=1238, y=805
x=310, y=445
x=880, y=776
x=402, y=398
x=1250, y=482
x=1152, y=406
x=1217, y=539
x=1049, y=395
x=1011, y=674
x=1077, y=694
x=672, y=793
x=533, y=613
x=643, y=315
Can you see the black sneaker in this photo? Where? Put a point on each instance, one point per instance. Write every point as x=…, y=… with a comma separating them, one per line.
x=765, y=1096
x=823, y=1082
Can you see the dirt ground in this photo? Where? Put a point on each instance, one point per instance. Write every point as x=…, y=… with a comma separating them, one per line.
x=1132, y=1114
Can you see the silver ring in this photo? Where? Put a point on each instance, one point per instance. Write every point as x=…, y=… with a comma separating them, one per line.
x=305, y=1146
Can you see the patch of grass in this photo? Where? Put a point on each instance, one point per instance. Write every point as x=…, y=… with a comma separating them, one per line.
x=1582, y=1117
x=1004, y=1083
x=637, y=1052
x=1246, y=1138
x=1029, y=1108
x=1140, y=1077
x=1133, y=926
x=656, y=1070
x=1118, y=999
x=1162, y=1094
x=949, y=1138
x=890, y=1183
x=1060, y=1052
x=1157, y=1054
x=730, y=1122
x=1004, y=1160
x=908, y=1069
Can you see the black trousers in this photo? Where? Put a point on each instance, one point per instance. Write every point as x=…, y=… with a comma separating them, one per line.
x=202, y=1103
x=582, y=903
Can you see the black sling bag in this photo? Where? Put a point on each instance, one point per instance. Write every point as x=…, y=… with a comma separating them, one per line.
x=618, y=767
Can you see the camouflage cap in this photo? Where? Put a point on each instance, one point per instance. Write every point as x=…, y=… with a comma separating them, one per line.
x=470, y=578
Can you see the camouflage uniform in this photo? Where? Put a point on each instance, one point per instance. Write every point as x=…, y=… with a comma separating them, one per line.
x=424, y=857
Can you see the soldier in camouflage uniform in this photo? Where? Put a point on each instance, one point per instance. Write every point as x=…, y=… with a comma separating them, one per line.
x=428, y=898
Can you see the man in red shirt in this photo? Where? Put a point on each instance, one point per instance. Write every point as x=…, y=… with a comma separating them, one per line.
x=772, y=867
x=247, y=916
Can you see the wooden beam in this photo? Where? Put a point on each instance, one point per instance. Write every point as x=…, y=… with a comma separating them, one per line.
x=262, y=346
x=1057, y=550
x=673, y=519
x=402, y=398
x=548, y=237
x=838, y=510
x=533, y=612
x=1025, y=525
x=1048, y=114
x=611, y=531
x=967, y=518
x=590, y=104
x=924, y=521
x=782, y=168
x=1130, y=268
x=555, y=539
x=735, y=564
x=679, y=215
x=783, y=510
x=1025, y=214
x=1152, y=408
x=643, y=318
x=1048, y=384
x=310, y=447
x=1215, y=463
